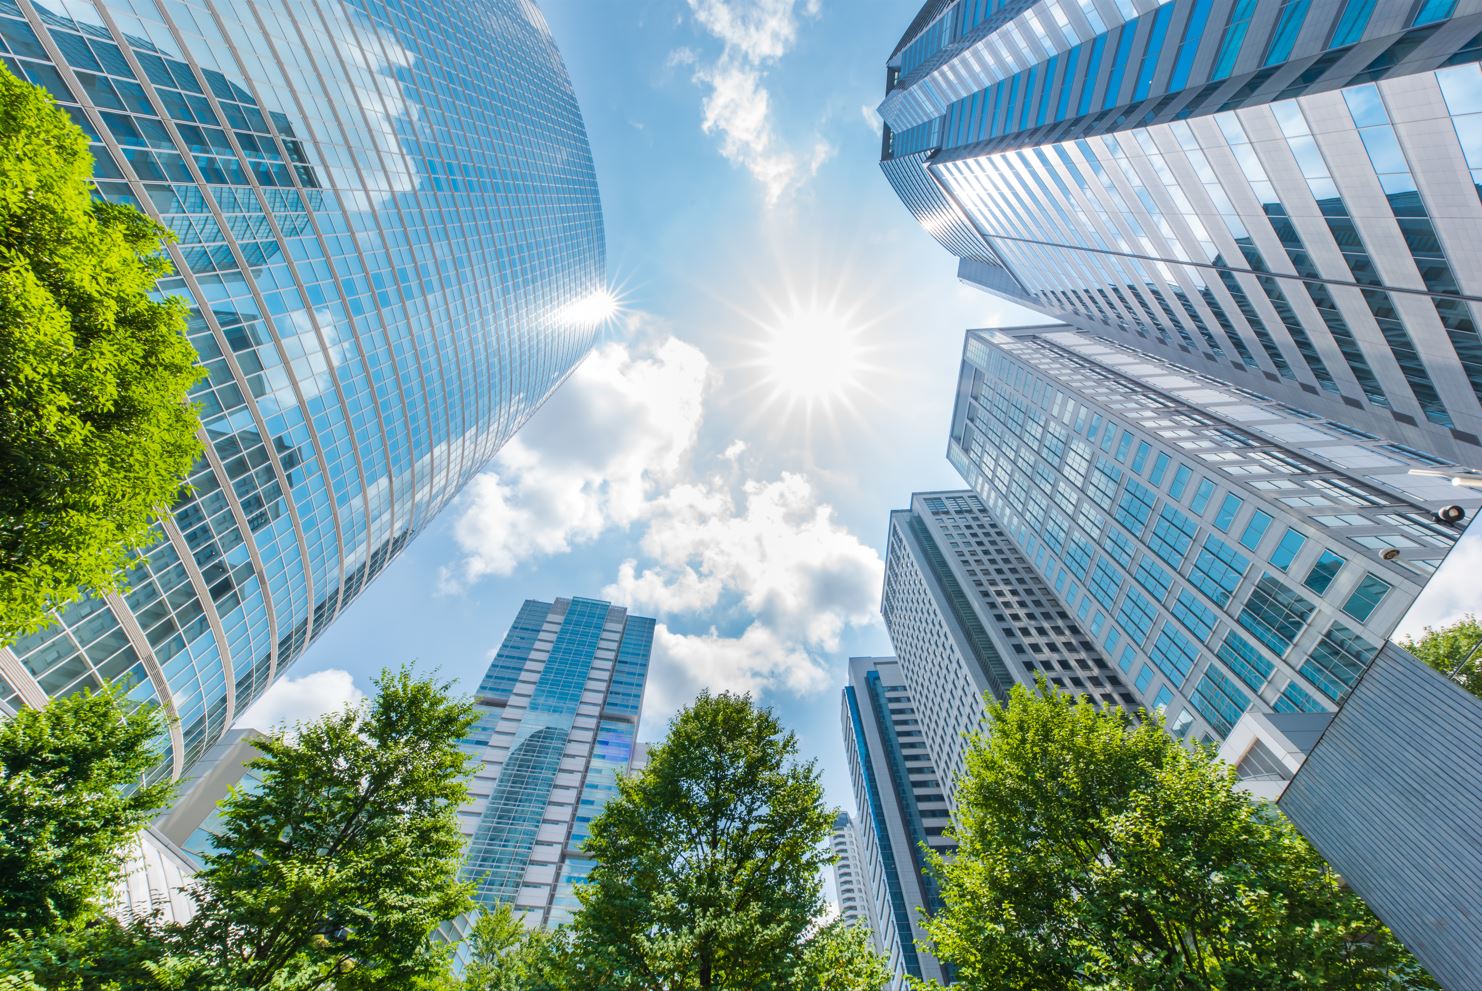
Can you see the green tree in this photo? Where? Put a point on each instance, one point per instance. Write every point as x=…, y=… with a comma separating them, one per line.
x=1446, y=647
x=841, y=958
x=706, y=870
x=509, y=957
x=72, y=798
x=336, y=871
x=1095, y=851
x=96, y=434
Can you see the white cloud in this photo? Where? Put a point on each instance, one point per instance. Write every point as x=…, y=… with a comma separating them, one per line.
x=738, y=105
x=1451, y=593
x=619, y=429
x=290, y=701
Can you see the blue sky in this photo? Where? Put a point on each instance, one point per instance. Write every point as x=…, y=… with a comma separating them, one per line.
x=685, y=470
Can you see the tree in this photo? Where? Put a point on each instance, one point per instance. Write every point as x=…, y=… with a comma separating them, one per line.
x=842, y=958
x=335, y=872
x=1096, y=851
x=1446, y=647
x=96, y=434
x=706, y=871
x=72, y=798
x=509, y=957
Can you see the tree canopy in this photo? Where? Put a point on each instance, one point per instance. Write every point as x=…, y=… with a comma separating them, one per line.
x=96, y=434
x=707, y=863
x=71, y=801
x=1444, y=648
x=1097, y=852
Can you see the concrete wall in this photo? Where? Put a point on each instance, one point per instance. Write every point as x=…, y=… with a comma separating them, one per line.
x=1391, y=795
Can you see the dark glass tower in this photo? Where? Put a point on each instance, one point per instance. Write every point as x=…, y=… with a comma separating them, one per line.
x=388, y=231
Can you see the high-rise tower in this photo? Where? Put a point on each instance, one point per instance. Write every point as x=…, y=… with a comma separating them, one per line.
x=558, y=711
x=902, y=808
x=849, y=880
x=1281, y=195
x=390, y=240
x=970, y=617
x=1229, y=552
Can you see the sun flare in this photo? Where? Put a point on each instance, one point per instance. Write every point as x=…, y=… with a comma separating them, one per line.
x=812, y=354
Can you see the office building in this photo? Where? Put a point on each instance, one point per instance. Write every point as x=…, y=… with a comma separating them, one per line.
x=903, y=810
x=389, y=238
x=969, y=618
x=849, y=878
x=557, y=713
x=1227, y=551
x=1284, y=196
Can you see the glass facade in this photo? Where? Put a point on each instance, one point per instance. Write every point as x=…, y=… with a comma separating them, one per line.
x=558, y=711
x=387, y=222
x=1228, y=551
x=1283, y=195
x=903, y=809
x=970, y=616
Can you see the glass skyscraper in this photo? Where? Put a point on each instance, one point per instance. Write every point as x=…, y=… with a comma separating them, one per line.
x=389, y=236
x=558, y=711
x=1229, y=552
x=902, y=808
x=1283, y=195
x=855, y=908
x=970, y=617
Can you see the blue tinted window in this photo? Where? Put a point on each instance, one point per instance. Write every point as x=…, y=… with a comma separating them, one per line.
x=1202, y=496
x=1275, y=614
x=1174, y=653
x=1295, y=698
x=1366, y=598
x=1228, y=509
x=1135, y=507
x=1119, y=65
x=1071, y=57
x=1288, y=26
x=1123, y=446
x=1093, y=67
x=1356, y=14
x=1337, y=661
x=1260, y=521
x=1149, y=66
x=1287, y=550
x=1242, y=657
x=1234, y=38
x=1125, y=662
x=1164, y=697
x=1136, y=615
x=1323, y=572
x=1152, y=578
x=1105, y=583
x=1433, y=10
x=1160, y=467
x=1119, y=547
x=1218, y=570
x=1195, y=615
x=1219, y=701
x=1173, y=534
x=1189, y=47
x=1140, y=459
x=1144, y=678
x=1180, y=482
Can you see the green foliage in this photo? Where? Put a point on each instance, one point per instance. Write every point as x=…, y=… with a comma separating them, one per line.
x=71, y=800
x=1445, y=647
x=841, y=958
x=1097, y=852
x=96, y=435
x=509, y=957
x=337, y=870
x=101, y=954
x=707, y=862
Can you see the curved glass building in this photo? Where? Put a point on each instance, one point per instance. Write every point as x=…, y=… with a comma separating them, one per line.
x=1283, y=195
x=389, y=234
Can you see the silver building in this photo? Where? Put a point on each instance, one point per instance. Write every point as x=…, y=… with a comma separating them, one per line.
x=390, y=242
x=1229, y=552
x=557, y=716
x=970, y=617
x=855, y=907
x=903, y=811
x=1283, y=195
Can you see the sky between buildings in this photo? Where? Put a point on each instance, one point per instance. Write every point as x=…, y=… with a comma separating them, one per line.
x=781, y=376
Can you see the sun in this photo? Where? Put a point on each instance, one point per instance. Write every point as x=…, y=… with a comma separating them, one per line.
x=813, y=354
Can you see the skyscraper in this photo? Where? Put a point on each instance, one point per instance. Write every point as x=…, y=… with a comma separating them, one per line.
x=1228, y=551
x=390, y=241
x=558, y=710
x=1284, y=196
x=970, y=617
x=902, y=808
x=854, y=903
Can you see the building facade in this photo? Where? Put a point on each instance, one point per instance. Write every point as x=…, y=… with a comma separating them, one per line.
x=849, y=878
x=969, y=617
x=1228, y=551
x=1284, y=196
x=389, y=238
x=557, y=715
x=902, y=810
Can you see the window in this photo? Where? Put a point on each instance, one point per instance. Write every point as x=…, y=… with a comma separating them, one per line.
x=1160, y=467
x=1144, y=678
x=1260, y=521
x=1295, y=698
x=1135, y=507
x=1196, y=617
x=1366, y=598
x=1337, y=661
x=1234, y=37
x=1174, y=654
x=1275, y=614
x=1228, y=509
x=1218, y=570
x=1153, y=579
x=1323, y=572
x=1242, y=657
x=1136, y=615
x=1219, y=701
x=1202, y=496
x=1180, y=481
x=1287, y=550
